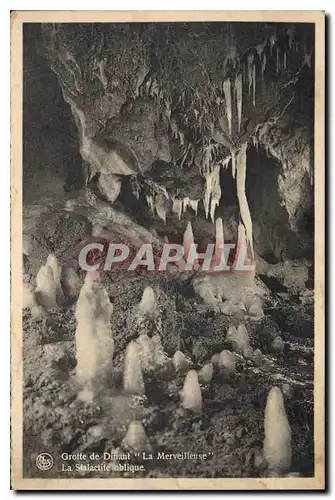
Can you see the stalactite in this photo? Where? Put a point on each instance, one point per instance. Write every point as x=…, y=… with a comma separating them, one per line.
x=239, y=97
x=278, y=64
x=285, y=60
x=250, y=70
x=233, y=164
x=227, y=95
x=242, y=199
x=264, y=61
x=194, y=205
x=188, y=239
x=254, y=84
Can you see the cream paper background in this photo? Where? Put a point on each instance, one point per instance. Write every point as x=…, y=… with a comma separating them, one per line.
x=20, y=483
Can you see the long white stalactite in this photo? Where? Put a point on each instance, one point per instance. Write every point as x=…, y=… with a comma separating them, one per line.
x=239, y=94
x=227, y=96
x=241, y=164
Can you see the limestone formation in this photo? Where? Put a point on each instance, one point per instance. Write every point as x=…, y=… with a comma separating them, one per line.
x=277, y=434
x=205, y=374
x=46, y=288
x=136, y=439
x=226, y=362
x=179, y=361
x=133, y=382
x=191, y=393
x=94, y=340
x=148, y=302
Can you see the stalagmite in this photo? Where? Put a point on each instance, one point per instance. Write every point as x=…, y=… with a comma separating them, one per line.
x=194, y=205
x=227, y=96
x=94, y=340
x=148, y=302
x=132, y=375
x=227, y=362
x=242, y=199
x=45, y=291
x=238, y=338
x=188, y=239
x=206, y=373
x=285, y=60
x=179, y=361
x=277, y=434
x=136, y=438
x=52, y=261
x=239, y=97
x=191, y=392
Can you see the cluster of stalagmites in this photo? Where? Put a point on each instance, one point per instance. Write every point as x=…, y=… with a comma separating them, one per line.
x=54, y=285
x=95, y=349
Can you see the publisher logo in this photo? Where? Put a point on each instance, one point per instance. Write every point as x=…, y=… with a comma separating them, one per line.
x=44, y=461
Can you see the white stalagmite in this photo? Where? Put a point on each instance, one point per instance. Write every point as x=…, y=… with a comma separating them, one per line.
x=277, y=432
x=191, y=392
x=132, y=375
x=239, y=98
x=206, y=373
x=194, y=205
x=52, y=261
x=188, y=239
x=227, y=362
x=136, y=438
x=179, y=361
x=45, y=291
x=238, y=338
x=148, y=302
x=242, y=199
x=227, y=96
x=94, y=340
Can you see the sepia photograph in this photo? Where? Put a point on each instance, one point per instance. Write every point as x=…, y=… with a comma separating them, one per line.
x=168, y=250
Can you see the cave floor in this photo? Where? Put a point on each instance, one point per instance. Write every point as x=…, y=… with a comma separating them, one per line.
x=230, y=427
